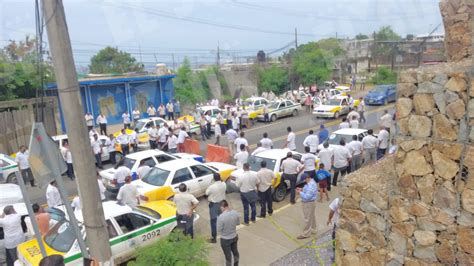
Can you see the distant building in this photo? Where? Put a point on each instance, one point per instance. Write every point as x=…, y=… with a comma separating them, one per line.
x=430, y=38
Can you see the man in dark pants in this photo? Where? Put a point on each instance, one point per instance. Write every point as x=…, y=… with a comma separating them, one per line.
x=185, y=205
x=227, y=227
x=333, y=218
x=342, y=159
x=215, y=194
x=291, y=169
x=265, y=177
x=22, y=161
x=13, y=233
x=247, y=184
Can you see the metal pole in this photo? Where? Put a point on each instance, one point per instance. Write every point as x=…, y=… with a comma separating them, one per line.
x=31, y=214
x=296, y=38
x=68, y=89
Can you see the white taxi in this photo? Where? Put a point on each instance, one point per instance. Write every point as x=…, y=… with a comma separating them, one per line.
x=346, y=133
x=254, y=106
x=8, y=167
x=163, y=180
x=332, y=108
x=128, y=229
x=281, y=109
x=273, y=158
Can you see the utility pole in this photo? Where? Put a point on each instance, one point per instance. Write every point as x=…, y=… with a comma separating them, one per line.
x=39, y=117
x=174, y=66
x=218, y=56
x=296, y=38
x=68, y=89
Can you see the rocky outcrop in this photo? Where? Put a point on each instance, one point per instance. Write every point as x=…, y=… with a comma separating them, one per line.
x=457, y=16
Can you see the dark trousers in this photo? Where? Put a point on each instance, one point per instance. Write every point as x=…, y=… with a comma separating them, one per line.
x=112, y=157
x=152, y=144
x=214, y=211
x=185, y=223
x=70, y=170
x=28, y=176
x=265, y=201
x=246, y=203
x=98, y=160
x=11, y=256
x=342, y=171
x=380, y=153
x=203, y=133
x=103, y=129
x=208, y=130
x=89, y=128
x=125, y=149
x=292, y=179
x=333, y=235
x=329, y=182
x=135, y=147
x=170, y=116
x=218, y=140
x=362, y=117
x=229, y=247
x=127, y=125
x=266, y=119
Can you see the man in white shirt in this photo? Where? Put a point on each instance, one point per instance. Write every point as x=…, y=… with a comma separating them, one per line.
x=241, y=140
x=218, y=133
x=110, y=144
x=120, y=174
x=93, y=132
x=344, y=124
x=383, y=141
x=333, y=218
x=355, y=148
x=97, y=149
x=153, y=136
x=247, y=184
x=241, y=157
x=186, y=203
x=267, y=143
x=182, y=136
x=163, y=134
x=53, y=198
x=76, y=203
x=89, y=121
x=290, y=140
x=68, y=159
x=101, y=187
x=354, y=123
x=326, y=157
x=266, y=118
x=143, y=169
x=215, y=194
x=231, y=135
x=21, y=159
x=102, y=121
x=128, y=193
x=353, y=114
x=172, y=143
x=291, y=168
x=311, y=141
x=265, y=178
x=126, y=120
x=370, y=144
x=10, y=221
x=235, y=122
x=136, y=116
x=170, y=110
x=309, y=162
x=361, y=110
x=386, y=121
x=124, y=140
x=133, y=137
x=342, y=158
x=151, y=111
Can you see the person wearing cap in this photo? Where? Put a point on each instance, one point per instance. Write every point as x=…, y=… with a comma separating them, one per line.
x=308, y=194
x=323, y=133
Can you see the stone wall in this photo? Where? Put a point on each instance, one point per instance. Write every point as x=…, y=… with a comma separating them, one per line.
x=457, y=17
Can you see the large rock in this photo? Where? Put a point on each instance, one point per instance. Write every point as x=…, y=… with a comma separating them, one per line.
x=415, y=164
x=404, y=107
x=346, y=240
x=471, y=89
x=426, y=254
x=440, y=79
x=444, y=197
x=425, y=188
x=427, y=223
x=376, y=221
x=403, y=126
x=470, y=108
x=399, y=214
x=406, y=89
x=425, y=238
x=423, y=103
x=466, y=219
x=429, y=87
x=456, y=110
x=445, y=253
x=408, y=187
x=440, y=101
x=467, y=199
x=451, y=150
x=405, y=229
x=414, y=144
x=353, y=215
x=443, y=129
x=451, y=96
x=418, y=208
x=368, y=206
x=466, y=239
x=444, y=167
x=443, y=216
x=398, y=243
x=374, y=236
x=456, y=84
x=419, y=126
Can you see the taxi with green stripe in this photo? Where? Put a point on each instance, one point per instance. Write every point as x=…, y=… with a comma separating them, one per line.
x=8, y=167
x=128, y=228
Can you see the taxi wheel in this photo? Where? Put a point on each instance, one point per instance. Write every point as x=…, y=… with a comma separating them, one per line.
x=336, y=115
x=12, y=179
x=280, y=193
x=273, y=118
x=294, y=113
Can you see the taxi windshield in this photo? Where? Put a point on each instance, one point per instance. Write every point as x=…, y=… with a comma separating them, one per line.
x=129, y=163
x=333, y=102
x=156, y=177
x=140, y=124
x=274, y=105
x=334, y=139
x=61, y=237
x=255, y=162
x=147, y=211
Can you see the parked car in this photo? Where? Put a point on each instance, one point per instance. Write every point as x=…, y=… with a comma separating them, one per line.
x=212, y=111
x=332, y=108
x=381, y=94
x=128, y=228
x=346, y=133
x=281, y=109
x=254, y=105
x=8, y=167
x=162, y=182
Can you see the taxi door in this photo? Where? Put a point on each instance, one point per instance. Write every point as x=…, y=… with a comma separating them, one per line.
x=183, y=175
x=204, y=177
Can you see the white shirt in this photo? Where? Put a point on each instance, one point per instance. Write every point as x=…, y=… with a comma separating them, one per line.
x=151, y=111
x=341, y=156
x=386, y=120
x=217, y=130
x=235, y=123
x=355, y=147
x=172, y=142
x=22, y=160
x=101, y=189
x=93, y=132
x=393, y=149
x=361, y=107
x=231, y=134
x=53, y=197
x=352, y=114
x=101, y=119
x=311, y=141
x=123, y=139
x=153, y=133
x=290, y=166
x=133, y=137
x=216, y=192
x=169, y=107
x=143, y=170
x=354, y=123
x=136, y=114
x=383, y=139
x=182, y=135
x=184, y=202
x=344, y=125
x=89, y=120
x=238, y=141
x=96, y=146
x=13, y=232
x=369, y=142
x=265, y=177
x=241, y=157
x=128, y=194
x=258, y=150
x=121, y=173
x=163, y=134
x=291, y=141
x=247, y=182
x=309, y=161
x=334, y=206
x=110, y=145
x=126, y=118
x=325, y=157
x=76, y=203
x=68, y=156
x=266, y=143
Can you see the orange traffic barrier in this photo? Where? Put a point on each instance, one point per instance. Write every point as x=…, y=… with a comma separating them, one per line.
x=192, y=146
x=217, y=154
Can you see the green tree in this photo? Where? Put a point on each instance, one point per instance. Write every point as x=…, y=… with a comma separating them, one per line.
x=361, y=36
x=112, y=60
x=273, y=79
x=188, y=85
x=311, y=64
x=386, y=33
x=384, y=76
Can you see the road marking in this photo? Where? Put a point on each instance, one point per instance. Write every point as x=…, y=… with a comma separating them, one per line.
x=328, y=124
x=256, y=128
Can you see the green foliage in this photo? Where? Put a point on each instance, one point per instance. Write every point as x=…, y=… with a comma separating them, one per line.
x=222, y=82
x=205, y=84
x=174, y=249
x=273, y=79
x=189, y=86
x=361, y=36
x=384, y=76
x=111, y=60
x=312, y=64
x=386, y=33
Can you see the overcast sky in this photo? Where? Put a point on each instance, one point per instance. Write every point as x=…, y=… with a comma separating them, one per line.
x=193, y=28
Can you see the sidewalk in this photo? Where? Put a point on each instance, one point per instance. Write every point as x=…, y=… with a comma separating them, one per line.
x=266, y=242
